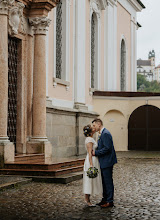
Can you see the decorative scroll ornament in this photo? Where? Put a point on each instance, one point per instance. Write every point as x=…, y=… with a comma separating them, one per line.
x=4, y=6
x=15, y=17
x=40, y=24
x=95, y=7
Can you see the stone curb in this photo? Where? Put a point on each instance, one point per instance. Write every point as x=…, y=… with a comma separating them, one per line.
x=64, y=179
x=14, y=184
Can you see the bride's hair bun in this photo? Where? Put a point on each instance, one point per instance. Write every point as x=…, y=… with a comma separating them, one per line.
x=87, y=130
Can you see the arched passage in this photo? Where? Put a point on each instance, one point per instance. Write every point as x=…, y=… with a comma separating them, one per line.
x=144, y=129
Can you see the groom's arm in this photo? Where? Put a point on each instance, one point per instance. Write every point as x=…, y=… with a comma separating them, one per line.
x=107, y=143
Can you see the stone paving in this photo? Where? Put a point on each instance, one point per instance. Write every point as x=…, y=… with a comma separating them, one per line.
x=10, y=179
x=137, y=196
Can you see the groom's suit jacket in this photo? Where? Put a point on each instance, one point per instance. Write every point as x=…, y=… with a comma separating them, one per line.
x=105, y=150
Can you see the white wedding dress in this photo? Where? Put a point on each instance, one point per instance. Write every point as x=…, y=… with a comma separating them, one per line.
x=92, y=186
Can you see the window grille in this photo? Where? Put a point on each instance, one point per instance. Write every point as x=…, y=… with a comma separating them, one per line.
x=12, y=88
x=92, y=51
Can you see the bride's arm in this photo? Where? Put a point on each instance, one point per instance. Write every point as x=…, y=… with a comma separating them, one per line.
x=89, y=149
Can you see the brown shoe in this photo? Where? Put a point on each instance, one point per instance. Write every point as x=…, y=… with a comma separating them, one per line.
x=107, y=204
x=101, y=203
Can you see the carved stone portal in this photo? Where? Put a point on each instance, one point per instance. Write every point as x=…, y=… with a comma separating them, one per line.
x=15, y=17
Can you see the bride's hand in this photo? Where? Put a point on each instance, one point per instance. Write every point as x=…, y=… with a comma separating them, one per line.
x=93, y=153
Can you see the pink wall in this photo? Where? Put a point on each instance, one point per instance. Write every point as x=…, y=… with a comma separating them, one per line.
x=60, y=91
x=123, y=17
x=89, y=100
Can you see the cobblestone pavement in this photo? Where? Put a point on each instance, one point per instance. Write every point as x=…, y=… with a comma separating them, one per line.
x=137, y=196
x=10, y=179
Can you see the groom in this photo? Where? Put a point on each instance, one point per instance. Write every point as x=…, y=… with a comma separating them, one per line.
x=107, y=158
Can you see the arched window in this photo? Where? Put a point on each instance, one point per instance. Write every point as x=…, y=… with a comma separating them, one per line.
x=94, y=50
x=123, y=66
x=59, y=40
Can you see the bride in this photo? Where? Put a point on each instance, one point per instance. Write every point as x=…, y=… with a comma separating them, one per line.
x=91, y=186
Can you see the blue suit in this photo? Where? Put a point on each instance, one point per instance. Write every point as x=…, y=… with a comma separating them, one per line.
x=107, y=158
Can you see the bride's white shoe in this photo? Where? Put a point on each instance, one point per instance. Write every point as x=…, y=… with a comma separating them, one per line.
x=89, y=204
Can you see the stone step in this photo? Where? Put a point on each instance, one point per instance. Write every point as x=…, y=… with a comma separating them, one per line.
x=29, y=157
x=31, y=172
x=42, y=166
x=64, y=179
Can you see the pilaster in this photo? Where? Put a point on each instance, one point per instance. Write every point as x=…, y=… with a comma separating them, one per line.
x=6, y=148
x=80, y=34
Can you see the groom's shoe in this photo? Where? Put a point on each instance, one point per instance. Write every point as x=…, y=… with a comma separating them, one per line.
x=101, y=203
x=107, y=204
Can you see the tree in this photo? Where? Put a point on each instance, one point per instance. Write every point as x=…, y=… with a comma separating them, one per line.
x=145, y=86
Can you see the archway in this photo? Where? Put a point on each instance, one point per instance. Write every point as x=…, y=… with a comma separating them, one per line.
x=115, y=122
x=144, y=129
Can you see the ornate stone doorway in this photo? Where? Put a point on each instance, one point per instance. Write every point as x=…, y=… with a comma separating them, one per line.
x=144, y=129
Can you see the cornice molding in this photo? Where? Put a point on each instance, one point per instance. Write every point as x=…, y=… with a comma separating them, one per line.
x=112, y=2
x=137, y=6
x=101, y=4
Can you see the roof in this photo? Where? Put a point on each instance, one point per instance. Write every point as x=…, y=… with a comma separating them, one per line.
x=143, y=62
x=141, y=3
x=125, y=94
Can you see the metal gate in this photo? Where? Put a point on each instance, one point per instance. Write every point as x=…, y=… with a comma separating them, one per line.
x=12, y=88
x=144, y=129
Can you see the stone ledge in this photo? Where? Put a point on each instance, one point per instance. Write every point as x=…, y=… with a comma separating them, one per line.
x=61, y=81
x=14, y=184
x=64, y=179
x=65, y=111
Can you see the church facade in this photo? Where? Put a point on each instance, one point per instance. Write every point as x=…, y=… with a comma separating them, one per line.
x=91, y=47
x=48, y=77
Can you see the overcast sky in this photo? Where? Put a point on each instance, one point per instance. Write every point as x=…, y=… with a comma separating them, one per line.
x=148, y=36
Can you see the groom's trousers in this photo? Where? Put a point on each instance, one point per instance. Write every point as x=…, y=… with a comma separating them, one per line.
x=107, y=181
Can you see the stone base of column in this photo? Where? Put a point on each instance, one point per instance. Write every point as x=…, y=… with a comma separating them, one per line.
x=39, y=147
x=7, y=152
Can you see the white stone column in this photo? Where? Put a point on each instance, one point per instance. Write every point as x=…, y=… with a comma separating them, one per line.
x=110, y=70
x=40, y=25
x=115, y=47
x=80, y=35
x=133, y=55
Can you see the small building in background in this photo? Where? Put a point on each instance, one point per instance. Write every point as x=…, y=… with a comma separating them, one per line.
x=147, y=67
x=157, y=73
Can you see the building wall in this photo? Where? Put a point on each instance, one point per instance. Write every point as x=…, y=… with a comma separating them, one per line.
x=59, y=91
x=115, y=113
x=116, y=21
x=65, y=130
x=124, y=32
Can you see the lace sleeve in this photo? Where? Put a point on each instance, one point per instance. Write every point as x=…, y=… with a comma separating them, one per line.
x=89, y=140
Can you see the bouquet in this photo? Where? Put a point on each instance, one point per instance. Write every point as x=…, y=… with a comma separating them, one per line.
x=92, y=172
